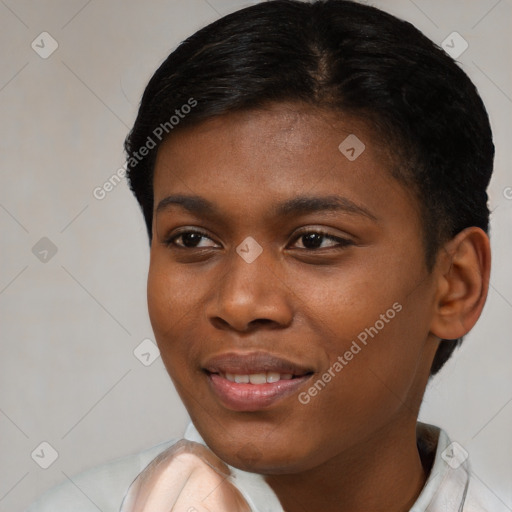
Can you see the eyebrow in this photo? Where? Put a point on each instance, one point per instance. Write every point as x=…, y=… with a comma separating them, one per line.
x=301, y=205
x=194, y=204
x=310, y=204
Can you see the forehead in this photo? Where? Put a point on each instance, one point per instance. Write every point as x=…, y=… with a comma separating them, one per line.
x=252, y=159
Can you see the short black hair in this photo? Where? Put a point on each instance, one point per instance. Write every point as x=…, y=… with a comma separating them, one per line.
x=343, y=57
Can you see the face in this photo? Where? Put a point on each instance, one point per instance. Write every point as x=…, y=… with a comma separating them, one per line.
x=287, y=288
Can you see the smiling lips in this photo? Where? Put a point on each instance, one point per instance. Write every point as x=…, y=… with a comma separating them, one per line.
x=249, y=382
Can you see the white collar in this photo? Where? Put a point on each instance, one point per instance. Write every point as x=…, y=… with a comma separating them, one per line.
x=447, y=484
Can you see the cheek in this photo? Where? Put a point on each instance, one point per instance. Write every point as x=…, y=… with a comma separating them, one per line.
x=342, y=304
x=174, y=291
x=375, y=355
x=174, y=301
x=374, y=319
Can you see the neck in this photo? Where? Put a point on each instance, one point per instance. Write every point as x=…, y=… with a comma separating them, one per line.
x=381, y=474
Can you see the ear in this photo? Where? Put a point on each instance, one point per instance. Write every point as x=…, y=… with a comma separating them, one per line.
x=463, y=268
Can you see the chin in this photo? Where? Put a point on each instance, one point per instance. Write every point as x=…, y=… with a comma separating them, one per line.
x=265, y=459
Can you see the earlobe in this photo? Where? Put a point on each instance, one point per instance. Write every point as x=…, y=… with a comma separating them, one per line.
x=464, y=268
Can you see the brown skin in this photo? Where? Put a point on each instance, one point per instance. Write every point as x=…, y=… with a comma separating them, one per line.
x=353, y=446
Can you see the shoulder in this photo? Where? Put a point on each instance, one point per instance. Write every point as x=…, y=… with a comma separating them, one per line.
x=100, y=488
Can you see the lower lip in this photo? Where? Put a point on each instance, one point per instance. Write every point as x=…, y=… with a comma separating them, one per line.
x=253, y=397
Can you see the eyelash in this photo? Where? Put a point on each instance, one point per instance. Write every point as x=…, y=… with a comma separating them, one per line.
x=341, y=242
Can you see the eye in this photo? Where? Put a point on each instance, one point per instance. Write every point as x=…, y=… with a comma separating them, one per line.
x=190, y=239
x=318, y=239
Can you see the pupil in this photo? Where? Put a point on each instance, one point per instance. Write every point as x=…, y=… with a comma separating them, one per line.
x=191, y=239
x=312, y=240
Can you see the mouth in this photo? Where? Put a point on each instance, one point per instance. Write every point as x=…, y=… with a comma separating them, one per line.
x=255, y=381
x=257, y=378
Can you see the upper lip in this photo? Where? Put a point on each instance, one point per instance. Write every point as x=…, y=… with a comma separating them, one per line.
x=252, y=363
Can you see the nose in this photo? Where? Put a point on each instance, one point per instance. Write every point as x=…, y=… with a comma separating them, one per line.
x=251, y=296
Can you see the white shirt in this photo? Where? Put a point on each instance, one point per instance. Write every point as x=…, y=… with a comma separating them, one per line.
x=449, y=487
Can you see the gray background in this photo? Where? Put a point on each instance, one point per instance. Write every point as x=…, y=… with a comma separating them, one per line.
x=69, y=325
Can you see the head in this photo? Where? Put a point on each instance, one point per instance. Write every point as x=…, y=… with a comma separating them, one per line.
x=344, y=120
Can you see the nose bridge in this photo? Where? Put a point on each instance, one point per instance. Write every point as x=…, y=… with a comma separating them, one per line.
x=247, y=278
x=250, y=291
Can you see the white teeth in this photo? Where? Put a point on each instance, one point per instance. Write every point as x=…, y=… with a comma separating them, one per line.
x=257, y=378
x=273, y=377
